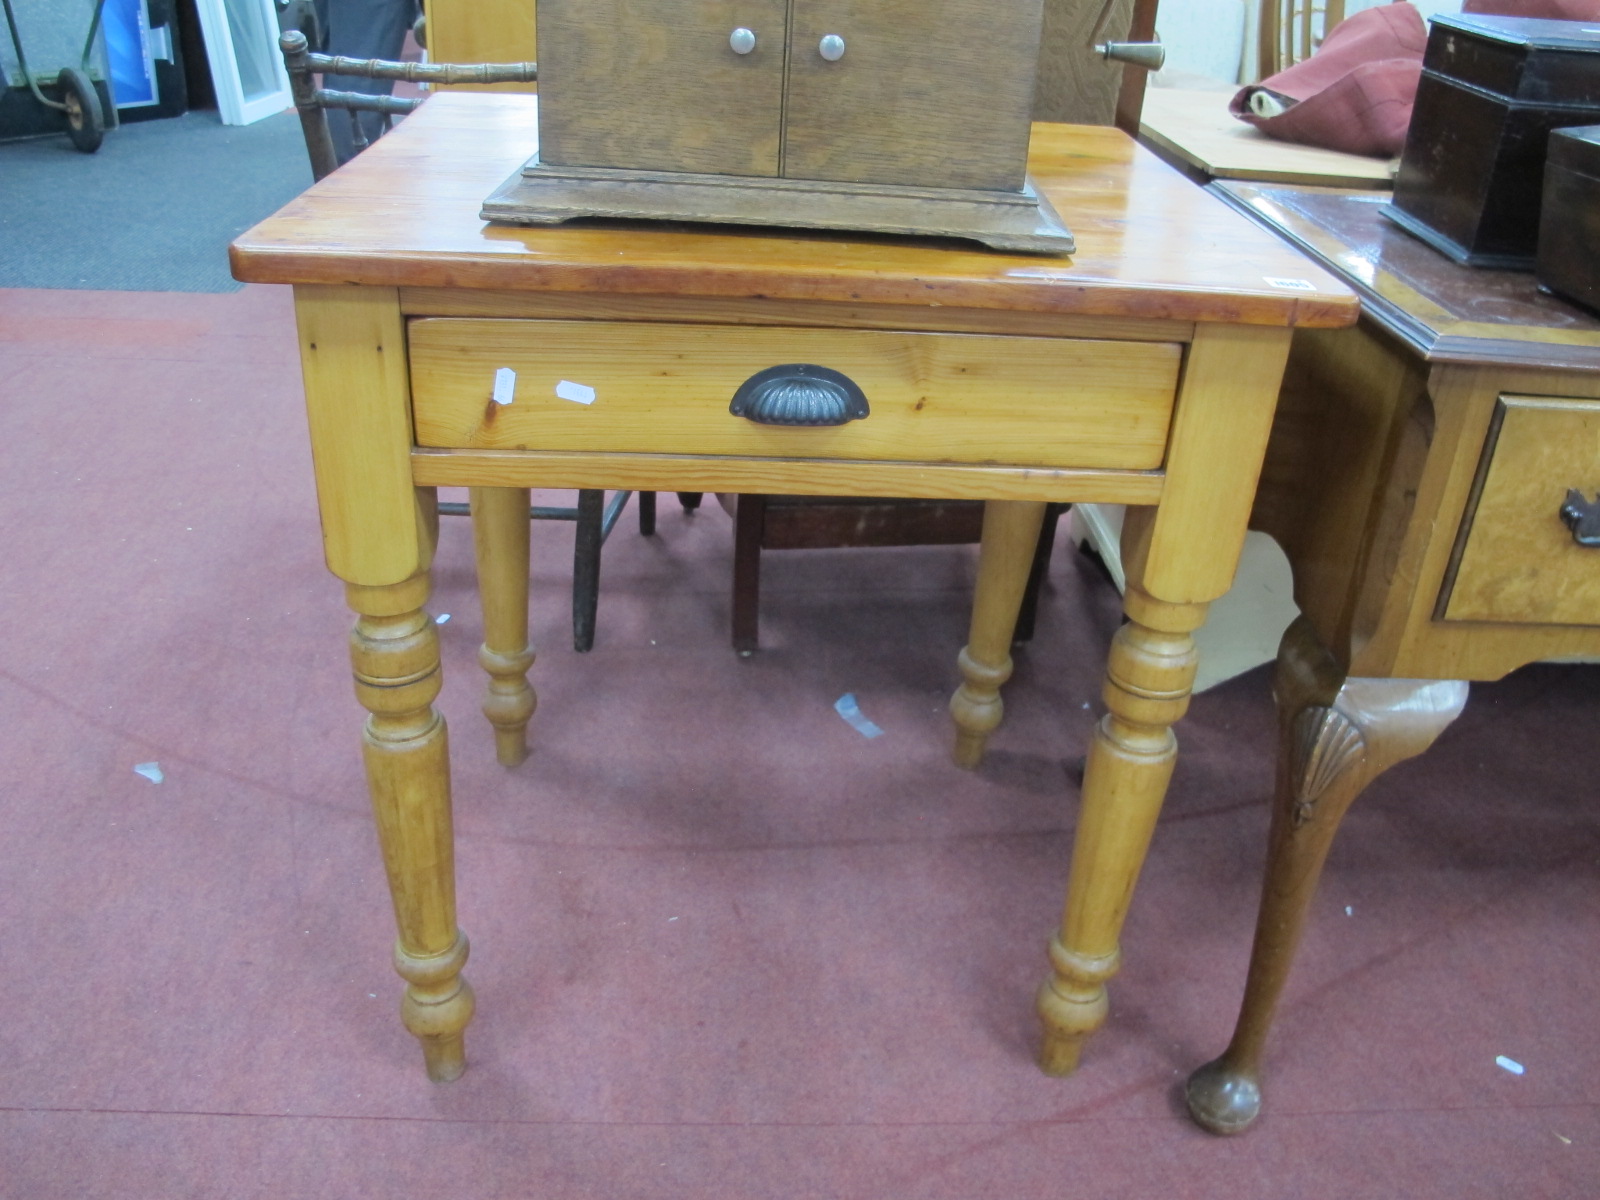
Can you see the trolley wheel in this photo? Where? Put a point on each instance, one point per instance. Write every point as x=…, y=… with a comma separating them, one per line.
x=86, y=121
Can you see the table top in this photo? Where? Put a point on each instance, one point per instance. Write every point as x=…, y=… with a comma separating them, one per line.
x=1195, y=128
x=1447, y=312
x=1150, y=243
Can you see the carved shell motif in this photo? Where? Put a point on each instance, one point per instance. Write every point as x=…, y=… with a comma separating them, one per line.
x=1324, y=745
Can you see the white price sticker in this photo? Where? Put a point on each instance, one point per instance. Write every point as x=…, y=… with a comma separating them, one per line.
x=577, y=392
x=505, y=385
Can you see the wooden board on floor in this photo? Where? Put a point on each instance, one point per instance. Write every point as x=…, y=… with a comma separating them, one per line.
x=1193, y=130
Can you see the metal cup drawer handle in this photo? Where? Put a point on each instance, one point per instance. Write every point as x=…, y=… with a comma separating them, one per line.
x=799, y=394
x=1582, y=517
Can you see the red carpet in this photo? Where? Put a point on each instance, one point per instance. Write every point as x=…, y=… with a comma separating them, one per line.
x=723, y=945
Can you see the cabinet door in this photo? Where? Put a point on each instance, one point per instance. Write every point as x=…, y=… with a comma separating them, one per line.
x=928, y=92
x=655, y=84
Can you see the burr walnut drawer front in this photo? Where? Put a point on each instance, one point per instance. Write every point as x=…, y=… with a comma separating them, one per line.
x=666, y=389
x=1526, y=554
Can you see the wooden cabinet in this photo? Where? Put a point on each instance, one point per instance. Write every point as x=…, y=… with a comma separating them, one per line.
x=922, y=92
x=898, y=116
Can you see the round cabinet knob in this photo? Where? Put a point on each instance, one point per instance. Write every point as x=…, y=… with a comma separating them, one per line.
x=742, y=40
x=831, y=47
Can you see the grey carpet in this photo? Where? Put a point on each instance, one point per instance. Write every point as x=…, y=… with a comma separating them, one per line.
x=152, y=211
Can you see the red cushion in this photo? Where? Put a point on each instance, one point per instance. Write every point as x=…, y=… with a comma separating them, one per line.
x=1366, y=111
x=1355, y=93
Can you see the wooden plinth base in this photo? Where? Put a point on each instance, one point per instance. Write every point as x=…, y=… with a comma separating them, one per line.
x=541, y=194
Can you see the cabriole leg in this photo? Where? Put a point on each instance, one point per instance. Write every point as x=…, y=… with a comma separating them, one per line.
x=1336, y=735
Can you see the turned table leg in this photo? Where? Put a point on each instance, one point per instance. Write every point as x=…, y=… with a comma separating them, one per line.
x=1010, y=537
x=1148, y=677
x=1336, y=735
x=500, y=538
x=394, y=649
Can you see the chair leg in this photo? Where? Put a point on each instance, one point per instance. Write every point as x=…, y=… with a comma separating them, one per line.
x=690, y=500
x=1037, y=573
x=586, y=567
x=749, y=518
x=647, y=513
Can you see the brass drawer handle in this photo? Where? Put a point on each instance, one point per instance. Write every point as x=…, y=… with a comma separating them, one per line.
x=799, y=394
x=1582, y=517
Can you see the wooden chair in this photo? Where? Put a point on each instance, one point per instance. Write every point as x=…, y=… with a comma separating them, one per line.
x=1291, y=31
x=832, y=522
x=592, y=516
x=1074, y=85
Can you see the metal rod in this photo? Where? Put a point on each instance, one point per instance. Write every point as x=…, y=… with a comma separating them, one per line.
x=612, y=513
x=22, y=64
x=456, y=508
x=94, y=28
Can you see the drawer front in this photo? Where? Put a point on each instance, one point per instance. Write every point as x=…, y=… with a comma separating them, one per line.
x=1519, y=561
x=665, y=389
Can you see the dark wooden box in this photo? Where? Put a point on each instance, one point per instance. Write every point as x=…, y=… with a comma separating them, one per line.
x=1569, y=223
x=1492, y=89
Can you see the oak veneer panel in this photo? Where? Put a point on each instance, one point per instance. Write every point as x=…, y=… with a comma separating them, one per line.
x=1521, y=562
x=657, y=87
x=1150, y=244
x=665, y=389
x=929, y=92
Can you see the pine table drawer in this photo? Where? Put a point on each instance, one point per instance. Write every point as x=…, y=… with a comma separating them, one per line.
x=1519, y=562
x=665, y=389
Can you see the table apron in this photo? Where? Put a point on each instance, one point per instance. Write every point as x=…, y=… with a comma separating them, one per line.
x=788, y=476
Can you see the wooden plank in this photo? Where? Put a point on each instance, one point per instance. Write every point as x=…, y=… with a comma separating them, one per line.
x=815, y=477
x=1150, y=244
x=353, y=357
x=1195, y=128
x=665, y=388
x=449, y=302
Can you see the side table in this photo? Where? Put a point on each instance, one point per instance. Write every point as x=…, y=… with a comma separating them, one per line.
x=1142, y=371
x=1416, y=478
